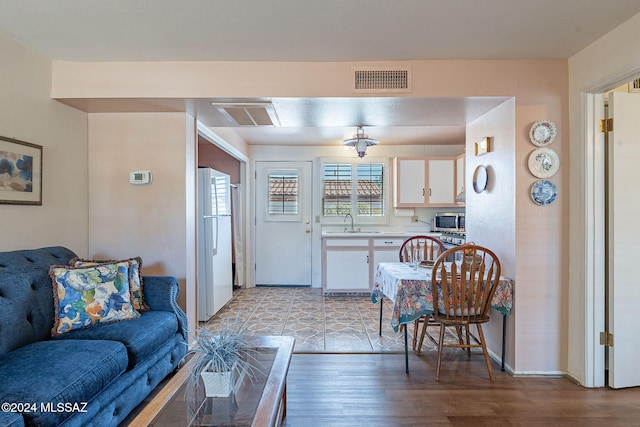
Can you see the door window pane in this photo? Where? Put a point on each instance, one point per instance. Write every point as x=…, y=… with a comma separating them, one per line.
x=283, y=194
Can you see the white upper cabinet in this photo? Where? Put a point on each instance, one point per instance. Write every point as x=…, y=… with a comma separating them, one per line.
x=460, y=174
x=427, y=181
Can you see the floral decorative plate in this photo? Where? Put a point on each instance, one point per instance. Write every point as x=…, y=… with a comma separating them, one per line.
x=543, y=133
x=543, y=162
x=543, y=192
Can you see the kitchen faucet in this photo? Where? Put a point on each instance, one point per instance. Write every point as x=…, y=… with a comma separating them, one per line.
x=345, y=219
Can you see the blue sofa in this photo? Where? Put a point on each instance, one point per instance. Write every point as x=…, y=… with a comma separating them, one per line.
x=86, y=377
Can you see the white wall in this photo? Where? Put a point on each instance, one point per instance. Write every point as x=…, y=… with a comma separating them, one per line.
x=610, y=61
x=491, y=214
x=28, y=113
x=155, y=221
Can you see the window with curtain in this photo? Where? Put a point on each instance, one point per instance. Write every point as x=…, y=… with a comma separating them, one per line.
x=353, y=188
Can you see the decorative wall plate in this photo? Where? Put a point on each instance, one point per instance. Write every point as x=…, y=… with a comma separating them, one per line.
x=543, y=133
x=543, y=192
x=480, y=179
x=543, y=162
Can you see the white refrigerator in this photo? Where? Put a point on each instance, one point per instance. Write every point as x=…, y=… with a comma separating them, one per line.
x=215, y=278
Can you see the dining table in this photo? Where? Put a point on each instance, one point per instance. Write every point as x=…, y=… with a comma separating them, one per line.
x=409, y=289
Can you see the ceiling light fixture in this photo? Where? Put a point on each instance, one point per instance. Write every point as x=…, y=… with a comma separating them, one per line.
x=360, y=142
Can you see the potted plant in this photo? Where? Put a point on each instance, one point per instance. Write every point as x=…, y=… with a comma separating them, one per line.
x=223, y=358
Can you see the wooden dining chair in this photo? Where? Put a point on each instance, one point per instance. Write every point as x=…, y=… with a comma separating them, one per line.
x=431, y=248
x=462, y=293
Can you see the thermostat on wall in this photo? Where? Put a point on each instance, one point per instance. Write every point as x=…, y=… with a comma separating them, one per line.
x=140, y=177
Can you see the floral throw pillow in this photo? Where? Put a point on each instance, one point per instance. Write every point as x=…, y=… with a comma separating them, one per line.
x=90, y=295
x=135, y=277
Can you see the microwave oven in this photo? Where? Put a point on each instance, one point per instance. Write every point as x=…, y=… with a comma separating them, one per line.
x=448, y=221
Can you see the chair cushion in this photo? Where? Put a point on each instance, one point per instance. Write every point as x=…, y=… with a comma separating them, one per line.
x=142, y=336
x=86, y=296
x=59, y=371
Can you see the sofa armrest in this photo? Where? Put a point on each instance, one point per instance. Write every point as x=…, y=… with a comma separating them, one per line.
x=161, y=294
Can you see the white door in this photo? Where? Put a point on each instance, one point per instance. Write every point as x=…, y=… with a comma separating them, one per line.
x=283, y=223
x=624, y=235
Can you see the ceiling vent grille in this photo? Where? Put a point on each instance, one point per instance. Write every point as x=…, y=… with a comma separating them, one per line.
x=248, y=114
x=634, y=86
x=372, y=80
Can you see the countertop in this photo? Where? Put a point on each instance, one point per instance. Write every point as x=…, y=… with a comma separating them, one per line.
x=374, y=233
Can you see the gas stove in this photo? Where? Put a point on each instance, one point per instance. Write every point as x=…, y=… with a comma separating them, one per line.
x=453, y=238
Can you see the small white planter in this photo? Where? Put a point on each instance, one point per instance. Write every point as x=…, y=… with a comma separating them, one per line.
x=217, y=384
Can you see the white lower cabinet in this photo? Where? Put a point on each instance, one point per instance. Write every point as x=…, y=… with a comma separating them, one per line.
x=347, y=270
x=349, y=265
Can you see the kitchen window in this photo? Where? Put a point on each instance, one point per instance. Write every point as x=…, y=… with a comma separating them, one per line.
x=354, y=188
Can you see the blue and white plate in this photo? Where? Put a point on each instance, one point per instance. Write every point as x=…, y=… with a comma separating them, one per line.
x=543, y=192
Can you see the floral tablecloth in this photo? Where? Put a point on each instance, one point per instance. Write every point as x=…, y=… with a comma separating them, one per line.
x=410, y=292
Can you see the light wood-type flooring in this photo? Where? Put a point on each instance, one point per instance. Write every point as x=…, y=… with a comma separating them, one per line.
x=343, y=374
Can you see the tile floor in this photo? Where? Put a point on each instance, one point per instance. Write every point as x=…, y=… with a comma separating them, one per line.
x=345, y=324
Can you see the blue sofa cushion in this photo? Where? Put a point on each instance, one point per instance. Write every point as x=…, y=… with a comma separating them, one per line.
x=59, y=371
x=142, y=336
x=26, y=295
x=11, y=419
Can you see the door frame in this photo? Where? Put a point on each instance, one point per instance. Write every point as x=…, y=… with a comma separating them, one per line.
x=595, y=223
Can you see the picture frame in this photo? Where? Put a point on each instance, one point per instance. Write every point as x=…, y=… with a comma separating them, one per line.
x=483, y=146
x=20, y=172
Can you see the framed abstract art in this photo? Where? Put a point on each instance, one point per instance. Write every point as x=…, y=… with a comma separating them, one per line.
x=20, y=172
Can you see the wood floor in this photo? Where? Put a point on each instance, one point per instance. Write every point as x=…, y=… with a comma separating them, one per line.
x=373, y=390
x=348, y=377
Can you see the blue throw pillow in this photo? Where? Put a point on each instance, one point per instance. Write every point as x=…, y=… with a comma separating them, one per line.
x=87, y=296
x=135, y=277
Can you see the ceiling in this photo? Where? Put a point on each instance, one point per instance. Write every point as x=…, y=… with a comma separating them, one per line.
x=327, y=30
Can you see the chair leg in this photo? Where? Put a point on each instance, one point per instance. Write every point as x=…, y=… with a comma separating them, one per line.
x=425, y=323
x=484, y=351
x=459, y=333
x=468, y=340
x=440, y=348
x=414, y=339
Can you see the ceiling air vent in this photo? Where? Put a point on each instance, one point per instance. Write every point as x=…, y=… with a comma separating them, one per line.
x=376, y=80
x=634, y=86
x=248, y=113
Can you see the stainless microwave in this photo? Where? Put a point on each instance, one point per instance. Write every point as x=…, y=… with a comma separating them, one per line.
x=448, y=221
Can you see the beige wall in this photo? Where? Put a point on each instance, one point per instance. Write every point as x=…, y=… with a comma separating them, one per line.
x=154, y=221
x=610, y=61
x=540, y=91
x=28, y=113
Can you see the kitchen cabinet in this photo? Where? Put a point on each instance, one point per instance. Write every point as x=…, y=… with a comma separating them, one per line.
x=425, y=181
x=460, y=175
x=349, y=264
x=347, y=268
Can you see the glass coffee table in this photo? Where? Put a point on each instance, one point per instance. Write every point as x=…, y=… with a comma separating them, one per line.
x=258, y=401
